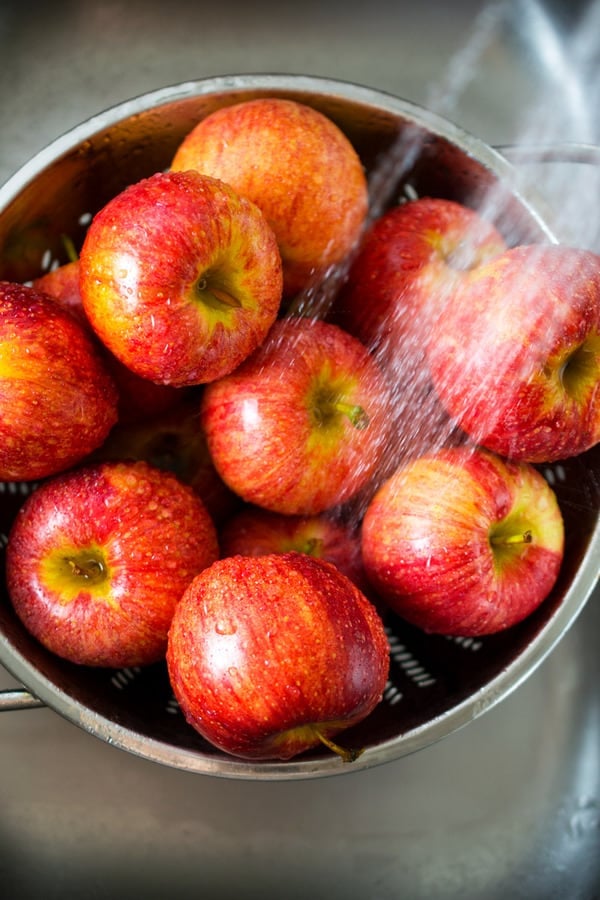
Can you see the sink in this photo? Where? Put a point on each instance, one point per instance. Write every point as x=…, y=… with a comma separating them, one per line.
x=505, y=807
x=509, y=805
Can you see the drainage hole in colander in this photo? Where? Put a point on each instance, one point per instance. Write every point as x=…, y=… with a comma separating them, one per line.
x=24, y=488
x=408, y=662
x=124, y=677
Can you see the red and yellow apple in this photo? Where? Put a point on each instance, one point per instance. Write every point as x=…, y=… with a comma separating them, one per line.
x=515, y=355
x=174, y=440
x=62, y=283
x=407, y=265
x=273, y=655
x=302, y=425
x=57, y=399
x=252, y=531
x=180, y=277
x=138, y=397
x=463, y=542
x=298, y=166
x=404, y=271
x=98, y=558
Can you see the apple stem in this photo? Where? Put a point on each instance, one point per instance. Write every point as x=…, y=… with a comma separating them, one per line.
x=327, y=404
x=347, y=755
x=221, y=297
x=69, y=246
x=355, y=413
x=92, y=569
x=313, y=546
x=524, y=537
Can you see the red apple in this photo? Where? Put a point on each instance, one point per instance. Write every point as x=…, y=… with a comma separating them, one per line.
x=302, y=425
x=180, y=277
x=269, y=656
x=62, y=283
x=515, y=356
x=406, y=266
x=138, y=397
x=301, y=170
x=174, y=441
x=253, y=531
x=98, y=558
x=463, y=542
x=57, y=400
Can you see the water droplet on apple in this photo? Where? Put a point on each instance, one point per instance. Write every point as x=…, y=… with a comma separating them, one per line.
x=225, y=628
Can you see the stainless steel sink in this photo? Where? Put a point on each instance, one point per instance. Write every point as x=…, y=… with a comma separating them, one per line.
x=509, y=806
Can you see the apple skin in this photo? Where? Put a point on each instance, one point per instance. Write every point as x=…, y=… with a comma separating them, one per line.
x=266, y=653
x=180, y=277
x=252, y=531
x=57, y=399
x=515, y=356
x=302, y=425
x=98, y=558
x=463, y=542
x=174, y=440
x=406, y=266
x=138, y=397
x=407, y=263
x=296, y=165
x=62, y=283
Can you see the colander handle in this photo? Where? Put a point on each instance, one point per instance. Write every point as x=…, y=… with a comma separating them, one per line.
x=18, y=699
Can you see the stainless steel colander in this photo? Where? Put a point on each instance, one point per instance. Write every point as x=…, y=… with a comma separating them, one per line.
x=437, y=684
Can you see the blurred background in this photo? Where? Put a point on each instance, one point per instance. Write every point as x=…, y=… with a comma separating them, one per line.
x=508, y=806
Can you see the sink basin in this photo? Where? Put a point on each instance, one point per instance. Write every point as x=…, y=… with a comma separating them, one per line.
x=509, y=805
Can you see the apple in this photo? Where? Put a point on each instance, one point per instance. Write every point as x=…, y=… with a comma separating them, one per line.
x=138, y=397
x=273, y=655
x=406, y=266
x=515, y=356
x=180, y=277
x=302, y=425
x=98, y=557
x=298, y=166
x=174, y=440
x=57, y=399
x=62, y=283
x=399, y=280
x=252, y=531
x=463, y=542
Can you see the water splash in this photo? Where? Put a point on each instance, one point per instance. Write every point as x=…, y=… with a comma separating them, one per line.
x=562, y=116
x=566, y=65
x=386, y=180
x=466, y=65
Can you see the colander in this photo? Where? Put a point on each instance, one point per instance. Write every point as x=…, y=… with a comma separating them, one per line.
x=437, y=684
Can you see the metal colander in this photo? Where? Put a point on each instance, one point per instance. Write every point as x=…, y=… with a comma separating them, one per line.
x=437, y=684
